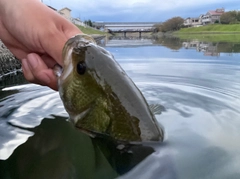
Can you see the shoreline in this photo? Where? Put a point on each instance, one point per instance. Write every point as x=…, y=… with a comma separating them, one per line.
x=211, y=29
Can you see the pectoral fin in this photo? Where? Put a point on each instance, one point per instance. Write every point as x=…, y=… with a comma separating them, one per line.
x=157, y=108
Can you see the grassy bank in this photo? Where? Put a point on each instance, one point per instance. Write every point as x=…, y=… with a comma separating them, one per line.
x=211, y=33
x=90, y=31
x=211, y=37
x=211, y=29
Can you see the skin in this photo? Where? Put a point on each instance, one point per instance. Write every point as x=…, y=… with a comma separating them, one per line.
x=35, y=34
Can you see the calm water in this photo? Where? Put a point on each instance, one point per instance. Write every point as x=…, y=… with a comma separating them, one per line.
x=197, y=83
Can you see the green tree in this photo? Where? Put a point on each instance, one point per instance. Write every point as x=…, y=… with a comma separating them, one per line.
x=157, y=27
x=238, y=16
x=88, y=22
x=172, y=24
x=229, y=17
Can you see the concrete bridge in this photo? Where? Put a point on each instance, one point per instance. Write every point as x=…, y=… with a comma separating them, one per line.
x=124, y=27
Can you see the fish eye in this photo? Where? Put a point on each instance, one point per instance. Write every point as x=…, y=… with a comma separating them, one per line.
x=81, y=68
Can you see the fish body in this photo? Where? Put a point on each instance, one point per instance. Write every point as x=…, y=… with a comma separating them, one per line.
x=99, y=96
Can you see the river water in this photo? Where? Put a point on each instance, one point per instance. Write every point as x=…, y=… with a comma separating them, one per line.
x=196, y=82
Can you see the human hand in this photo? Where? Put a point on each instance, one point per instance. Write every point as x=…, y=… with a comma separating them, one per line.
x=35, y=34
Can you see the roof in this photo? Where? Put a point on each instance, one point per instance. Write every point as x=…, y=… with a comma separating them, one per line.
x=52, y=8
x=77, y=19
x=65, y=8
x=216, y=12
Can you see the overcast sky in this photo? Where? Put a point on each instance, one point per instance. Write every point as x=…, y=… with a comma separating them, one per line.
x=140, y=10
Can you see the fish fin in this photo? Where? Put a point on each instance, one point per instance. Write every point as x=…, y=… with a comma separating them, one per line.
x=157, y=108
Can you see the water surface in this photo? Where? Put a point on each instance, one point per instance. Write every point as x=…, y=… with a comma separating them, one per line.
x=197, y=83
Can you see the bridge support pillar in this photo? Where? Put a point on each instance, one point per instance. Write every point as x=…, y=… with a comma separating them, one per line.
x=140, y=34
x=124, y=33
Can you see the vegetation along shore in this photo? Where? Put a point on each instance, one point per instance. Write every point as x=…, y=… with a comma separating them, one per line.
x=212, y=29
x=212, y=23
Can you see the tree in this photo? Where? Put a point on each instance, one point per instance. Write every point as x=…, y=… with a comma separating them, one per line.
x=88, y=22
x=172, y=24
x=157, y=27
x=238, y=15
x=229, y=17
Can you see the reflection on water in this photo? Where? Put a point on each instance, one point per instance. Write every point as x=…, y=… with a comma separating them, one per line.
x=201, y=95
x=209, y=49
x=58, y=150
x=55, y=142
x=212, y=49
x=126, y=41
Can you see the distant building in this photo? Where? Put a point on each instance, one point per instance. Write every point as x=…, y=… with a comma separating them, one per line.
x=66, y=12
x=193, y=22
x=77, y=21
x=212, y=16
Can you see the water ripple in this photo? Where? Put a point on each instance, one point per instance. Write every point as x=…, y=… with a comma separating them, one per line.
x=24, y=106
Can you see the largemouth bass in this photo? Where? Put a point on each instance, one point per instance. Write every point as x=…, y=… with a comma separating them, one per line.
x=99, y=96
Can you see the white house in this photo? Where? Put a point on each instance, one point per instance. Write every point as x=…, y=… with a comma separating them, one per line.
x=212, y=16
x=66, y=12
x=77, y=21
x=193, y=22
x=209, y=18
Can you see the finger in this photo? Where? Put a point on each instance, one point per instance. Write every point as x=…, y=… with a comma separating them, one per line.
x=49, y=61
x=27, y=72
x=38, y=72
x=57, y=36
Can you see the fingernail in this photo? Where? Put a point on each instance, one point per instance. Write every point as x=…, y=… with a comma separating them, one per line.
x=33, y=61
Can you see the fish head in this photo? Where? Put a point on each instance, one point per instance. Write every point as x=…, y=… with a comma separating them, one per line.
x=99, y=96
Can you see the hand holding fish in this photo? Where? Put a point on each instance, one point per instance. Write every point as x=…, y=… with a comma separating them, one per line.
x=35, y=34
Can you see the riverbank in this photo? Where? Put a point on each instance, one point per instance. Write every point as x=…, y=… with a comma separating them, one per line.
x=211, y=29
x=211, y=33
x=210, y=37
x=91, y=31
